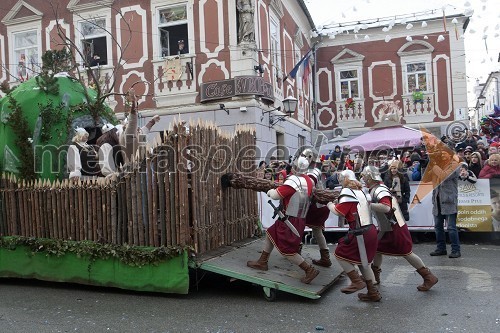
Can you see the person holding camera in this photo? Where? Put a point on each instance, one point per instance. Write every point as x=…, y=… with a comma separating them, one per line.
x=467, y=175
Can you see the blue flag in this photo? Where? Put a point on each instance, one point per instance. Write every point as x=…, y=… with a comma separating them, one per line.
x=293, y=72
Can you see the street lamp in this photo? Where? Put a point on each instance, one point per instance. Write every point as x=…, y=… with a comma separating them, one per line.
x=289, y=106
x=481, y=100
x=474, y=113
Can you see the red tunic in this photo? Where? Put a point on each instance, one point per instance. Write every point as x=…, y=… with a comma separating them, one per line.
x=316, y=217
x=350, y=252
x=396, y=242
x=279, y=233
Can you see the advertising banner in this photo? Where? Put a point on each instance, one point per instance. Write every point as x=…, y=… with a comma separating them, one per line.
x=474, y=205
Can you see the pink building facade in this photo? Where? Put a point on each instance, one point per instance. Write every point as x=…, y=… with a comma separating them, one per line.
x=187, y=57
x=420, y=71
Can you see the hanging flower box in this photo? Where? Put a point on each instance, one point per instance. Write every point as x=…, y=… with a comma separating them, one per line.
x=418, y=97
x=349, y=103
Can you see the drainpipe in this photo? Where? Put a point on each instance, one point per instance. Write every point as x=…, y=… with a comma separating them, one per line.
x=315, y=84
x=497, y=93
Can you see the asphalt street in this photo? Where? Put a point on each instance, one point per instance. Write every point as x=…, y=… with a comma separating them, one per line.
x=466, y=299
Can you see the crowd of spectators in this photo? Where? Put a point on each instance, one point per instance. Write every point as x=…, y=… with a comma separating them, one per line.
x=479, y=160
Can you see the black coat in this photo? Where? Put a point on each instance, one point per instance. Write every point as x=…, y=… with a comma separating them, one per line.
x=405, y=192
x=475, y=168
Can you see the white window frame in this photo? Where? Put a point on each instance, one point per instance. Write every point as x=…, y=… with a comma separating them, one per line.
x=14, y=30
x=349, y=82
x=358, y=67
x=100, y=34
x=275, y=44
x=301, y=140
x=156, y=7
x=90, y=16
x=407, y=60
x=28, y=63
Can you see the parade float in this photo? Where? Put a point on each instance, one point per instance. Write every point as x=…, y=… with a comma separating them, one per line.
x=135, y=230
x=138, y=230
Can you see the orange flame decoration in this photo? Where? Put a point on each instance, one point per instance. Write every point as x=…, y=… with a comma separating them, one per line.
x=442, y=163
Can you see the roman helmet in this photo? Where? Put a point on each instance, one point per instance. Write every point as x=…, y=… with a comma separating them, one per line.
x=346, y=175
x=371, y=173
x=302, y=159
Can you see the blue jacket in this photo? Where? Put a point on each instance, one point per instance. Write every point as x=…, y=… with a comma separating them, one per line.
x=416, y=174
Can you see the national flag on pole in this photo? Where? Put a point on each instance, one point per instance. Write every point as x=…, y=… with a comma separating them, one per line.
x=307, y=70
x=293, y=72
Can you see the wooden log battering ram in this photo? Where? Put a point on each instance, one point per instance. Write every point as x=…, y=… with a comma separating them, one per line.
x=239, y=181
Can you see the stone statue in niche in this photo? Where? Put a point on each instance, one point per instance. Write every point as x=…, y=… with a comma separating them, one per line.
x=246, y=31
x=390, y=111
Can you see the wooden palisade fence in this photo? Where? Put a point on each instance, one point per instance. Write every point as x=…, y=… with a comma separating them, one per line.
x=171, y=196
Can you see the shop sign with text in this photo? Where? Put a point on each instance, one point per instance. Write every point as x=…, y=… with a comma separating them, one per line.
x=239, y=86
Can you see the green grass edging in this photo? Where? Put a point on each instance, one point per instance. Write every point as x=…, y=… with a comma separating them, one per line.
x=168, y=275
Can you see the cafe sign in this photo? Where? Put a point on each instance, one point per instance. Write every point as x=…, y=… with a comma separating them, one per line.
x=240, y=85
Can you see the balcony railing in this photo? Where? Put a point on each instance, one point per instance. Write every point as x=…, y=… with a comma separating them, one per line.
x=176, y=80
x=351, y=116
x=418, y=112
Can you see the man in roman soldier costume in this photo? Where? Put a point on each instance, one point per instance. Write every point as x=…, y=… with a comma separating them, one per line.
x=359, y=245
x=287, y=232
x=317, y=215
x=394, y=236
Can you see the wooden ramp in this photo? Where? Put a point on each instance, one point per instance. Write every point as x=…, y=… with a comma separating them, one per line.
x=282, y=275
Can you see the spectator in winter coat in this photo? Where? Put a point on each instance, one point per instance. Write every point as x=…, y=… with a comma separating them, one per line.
x=466, y=175
x=467, y=154
x=358, y=167
x=469, y=141
x=415, y=171
x=482, y=149
x=336, y=153
x=492, y=150
x=476, y=163
x=398, y=183
x=406, y=160
x=492, y=168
